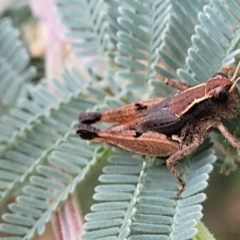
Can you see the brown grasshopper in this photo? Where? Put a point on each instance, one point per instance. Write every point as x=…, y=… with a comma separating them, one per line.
x=172, y=126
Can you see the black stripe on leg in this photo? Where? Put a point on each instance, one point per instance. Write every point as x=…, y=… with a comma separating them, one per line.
x=87, y=132
x=140, y=107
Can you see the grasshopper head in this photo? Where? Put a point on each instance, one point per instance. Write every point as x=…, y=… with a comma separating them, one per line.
x=227, y=98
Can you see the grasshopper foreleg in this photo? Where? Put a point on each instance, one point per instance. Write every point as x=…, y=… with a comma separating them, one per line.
x=230, y=138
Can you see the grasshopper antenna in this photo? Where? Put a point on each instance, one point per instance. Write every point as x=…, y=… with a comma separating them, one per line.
x=234, y=78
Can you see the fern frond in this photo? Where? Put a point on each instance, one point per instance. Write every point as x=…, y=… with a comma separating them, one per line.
x=51, y=183
x=176, y=40
x=21, y=116
x=114, y=197
x=112, y=24
x=136, y=202
x=140, y=33
x=28, y=112
x=42, y=161
x=33, y=141
x=14, y=69
x=213, y=44
x=86, y=27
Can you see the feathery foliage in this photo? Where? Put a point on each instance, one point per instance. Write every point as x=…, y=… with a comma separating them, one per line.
x=14, y=69
x=214, y=42
x=87, y=28
x=137, y=200
x=176, y=40
x=140, y=34
x=42, y=160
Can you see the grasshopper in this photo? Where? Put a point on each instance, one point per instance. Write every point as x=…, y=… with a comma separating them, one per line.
x=169, y=127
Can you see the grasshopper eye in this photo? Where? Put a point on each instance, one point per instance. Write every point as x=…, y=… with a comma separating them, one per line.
x=220, y=94
x=218, y=91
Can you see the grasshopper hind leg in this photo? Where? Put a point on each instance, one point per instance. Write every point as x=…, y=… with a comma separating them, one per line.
x=89, y=118
x=87, y=132
x=122, y=114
